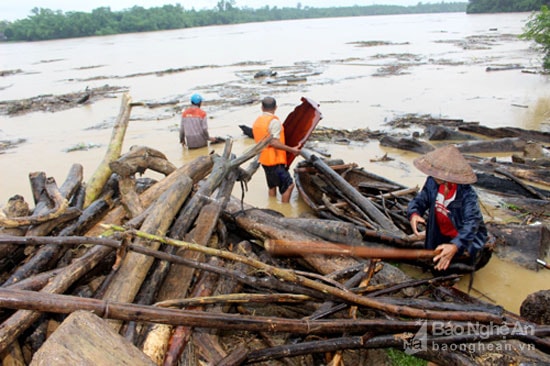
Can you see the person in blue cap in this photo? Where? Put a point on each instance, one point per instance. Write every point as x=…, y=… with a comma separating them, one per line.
x=194, y=126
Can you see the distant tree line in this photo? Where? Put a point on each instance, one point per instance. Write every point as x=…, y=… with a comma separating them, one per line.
x=45, y=24
x=503, y=6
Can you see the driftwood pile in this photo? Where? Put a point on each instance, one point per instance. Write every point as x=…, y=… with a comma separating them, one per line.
x=176, y=270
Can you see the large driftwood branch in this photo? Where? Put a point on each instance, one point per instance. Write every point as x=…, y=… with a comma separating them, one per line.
x=103, y=171
x=139, y=159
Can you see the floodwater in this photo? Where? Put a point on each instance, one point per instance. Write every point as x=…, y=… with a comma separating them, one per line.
x=362, y=71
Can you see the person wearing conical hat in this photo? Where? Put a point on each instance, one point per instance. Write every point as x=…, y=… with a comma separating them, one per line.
x=455, y=226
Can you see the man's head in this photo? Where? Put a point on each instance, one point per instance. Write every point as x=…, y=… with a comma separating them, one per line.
x=269, y=104
x=196, y=99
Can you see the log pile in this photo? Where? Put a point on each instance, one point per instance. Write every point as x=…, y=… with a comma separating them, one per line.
x=179, y=268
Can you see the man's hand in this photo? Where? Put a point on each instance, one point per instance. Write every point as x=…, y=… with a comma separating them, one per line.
x=415, y=220
x=446, y=254
x=295, y=150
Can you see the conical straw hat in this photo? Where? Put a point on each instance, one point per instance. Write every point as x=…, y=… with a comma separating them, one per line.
x=448, y=164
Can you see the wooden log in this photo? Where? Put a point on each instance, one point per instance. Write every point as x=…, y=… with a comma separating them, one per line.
x=178, y=281
x=48, y=255
x=139, y=159
x=494, y=145
x=128, y=279
x=129, y=197
x=13, y=356
x=331, y=230
x=536, y=307
x=156, y=343
x=11, y=255
x=36, y=282
x=103, y=172
x=209, y=347
x=179, y=277
x=85, y=339
x=289, y=247
x=65, y=304
x=353, y=195
x=233, y=298
x=440, y=133
x=408, y=144
x=222, y=167
x=521, y=244
x=262, y=226
x=38, y=185
x=11, y=328
x=90, y=216
x=539, y=176
x=236, y=357
x=532, y=191
x=196, y=170
x=271, y=284
x=182, y=334
x=60, y=205
x=503, y=132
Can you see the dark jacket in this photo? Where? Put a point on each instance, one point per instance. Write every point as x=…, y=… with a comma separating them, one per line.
x=464, y=212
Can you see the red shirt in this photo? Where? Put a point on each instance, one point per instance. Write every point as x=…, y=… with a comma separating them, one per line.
x=441, y=213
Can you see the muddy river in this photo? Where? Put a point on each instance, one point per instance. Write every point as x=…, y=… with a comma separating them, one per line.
x=362, y=71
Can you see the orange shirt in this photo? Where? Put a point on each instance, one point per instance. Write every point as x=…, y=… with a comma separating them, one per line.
x=269, y=156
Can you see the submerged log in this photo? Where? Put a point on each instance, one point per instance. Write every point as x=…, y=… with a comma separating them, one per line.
x=409, y=144
x=504, y=132
x=439, y=133
x=510, y=144
x=521, y=244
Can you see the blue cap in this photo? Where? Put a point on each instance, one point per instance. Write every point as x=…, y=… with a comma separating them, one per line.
x=196, y=99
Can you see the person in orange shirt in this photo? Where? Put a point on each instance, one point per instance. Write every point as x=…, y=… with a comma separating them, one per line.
x=273, y=157
x=193, y=125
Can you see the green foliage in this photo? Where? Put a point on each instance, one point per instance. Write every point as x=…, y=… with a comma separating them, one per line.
x=45, y=24
x=537, y=29
x=399, y=358
x=503, y=6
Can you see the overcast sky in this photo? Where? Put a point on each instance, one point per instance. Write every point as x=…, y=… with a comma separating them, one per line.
x=18, y=9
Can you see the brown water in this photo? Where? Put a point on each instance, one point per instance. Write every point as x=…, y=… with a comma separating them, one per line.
x=440, y=59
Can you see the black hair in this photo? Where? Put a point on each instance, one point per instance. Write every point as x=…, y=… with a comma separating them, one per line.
x=269, y=103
